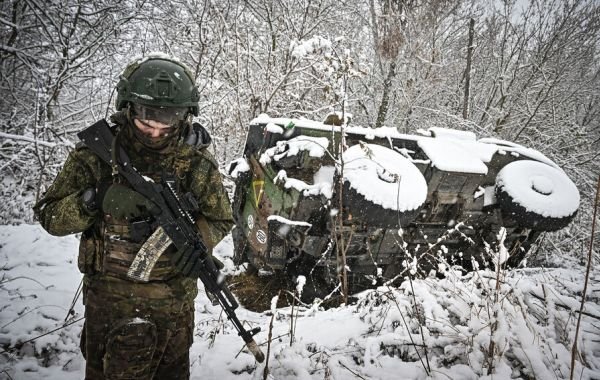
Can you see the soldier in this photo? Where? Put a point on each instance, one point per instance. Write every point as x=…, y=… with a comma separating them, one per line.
x=136, y=330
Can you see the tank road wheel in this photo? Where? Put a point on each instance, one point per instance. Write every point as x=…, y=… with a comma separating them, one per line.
x=381, y=187
x=536, y=195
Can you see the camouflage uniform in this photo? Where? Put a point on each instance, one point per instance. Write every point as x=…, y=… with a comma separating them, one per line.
x=135, y=330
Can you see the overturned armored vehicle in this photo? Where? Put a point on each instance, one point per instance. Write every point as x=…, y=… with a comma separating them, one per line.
x=309, y=194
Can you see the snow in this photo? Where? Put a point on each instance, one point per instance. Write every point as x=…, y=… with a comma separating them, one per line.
x=485, y=152
x=274, y=128
x=316, y=147
x=383, y=132
x=509, y=146
x=489, y=197
x=300, y=282
x=452, y=133
x=324, y=179
x=447, y=155
x=502, y=143
x=239, y=165
x=31, y=139
x=531, y=316
x=539, y=188
x=502, y=255
x=156, y=55
x=384, y=177
x=452, y=150
x=300, y=49
x=318, y=188
x=542, y=184
x=283, y=220
x=479, y=192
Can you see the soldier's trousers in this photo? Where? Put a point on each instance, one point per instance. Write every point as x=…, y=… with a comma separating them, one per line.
x=136, y=338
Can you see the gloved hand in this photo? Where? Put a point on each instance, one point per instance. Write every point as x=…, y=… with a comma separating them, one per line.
x=121, y=202
x=189, y=264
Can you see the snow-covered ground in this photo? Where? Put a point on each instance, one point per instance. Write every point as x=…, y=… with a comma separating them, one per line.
x=436, y=328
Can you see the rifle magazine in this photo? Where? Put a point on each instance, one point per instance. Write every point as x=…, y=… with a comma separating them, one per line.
x=148, y=255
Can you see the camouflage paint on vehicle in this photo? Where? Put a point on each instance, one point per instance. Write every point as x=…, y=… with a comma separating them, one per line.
x=451, y=226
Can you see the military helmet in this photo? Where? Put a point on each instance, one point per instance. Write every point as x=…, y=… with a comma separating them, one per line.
x=157, y=81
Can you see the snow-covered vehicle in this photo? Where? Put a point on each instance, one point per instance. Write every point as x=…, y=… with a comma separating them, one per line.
x=401, y=202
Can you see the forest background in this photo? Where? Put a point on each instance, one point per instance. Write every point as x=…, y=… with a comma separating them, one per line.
x=524, y=71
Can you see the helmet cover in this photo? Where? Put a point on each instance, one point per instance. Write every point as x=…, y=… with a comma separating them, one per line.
x=157, y=81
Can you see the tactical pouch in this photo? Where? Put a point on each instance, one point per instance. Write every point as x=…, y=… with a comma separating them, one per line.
x=129, y=350
x=89, y=247
x=120, y=250
x=180, y=338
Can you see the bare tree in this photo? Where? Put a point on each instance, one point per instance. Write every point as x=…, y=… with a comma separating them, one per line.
x=52, y=63
x=534, y=73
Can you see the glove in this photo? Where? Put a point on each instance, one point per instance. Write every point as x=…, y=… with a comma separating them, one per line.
x=189, y=264
x=121, y=202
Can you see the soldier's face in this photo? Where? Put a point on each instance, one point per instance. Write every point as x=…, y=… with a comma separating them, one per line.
x=152, y=128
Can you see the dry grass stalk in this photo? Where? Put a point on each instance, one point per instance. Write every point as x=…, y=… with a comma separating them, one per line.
x=574, y=350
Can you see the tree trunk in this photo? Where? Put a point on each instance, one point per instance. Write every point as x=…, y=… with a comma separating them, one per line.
x=465, y=112
x=385, y=99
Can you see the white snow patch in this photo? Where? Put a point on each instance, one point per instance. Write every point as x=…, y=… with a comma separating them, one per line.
x=274, y=304
x=452, y=133
x=489, y=198
x=323, y=178
x=384, y=177
x=158, y=55
x=454, y=150
x=479, y=192
x=274, y=128
x=539, y=188
x=534, y=314
x=448, y=155
x=300, y=282
x=324, y=188
x=502, y=254
x=241, y=166
x=283, y=220
x=314, y=45
x=315, y=146
x=504, y=146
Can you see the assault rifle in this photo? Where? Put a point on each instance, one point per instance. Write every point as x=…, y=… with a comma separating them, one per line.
x=173, y=224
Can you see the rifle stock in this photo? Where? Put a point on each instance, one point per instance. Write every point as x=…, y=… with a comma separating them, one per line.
x=173, y=216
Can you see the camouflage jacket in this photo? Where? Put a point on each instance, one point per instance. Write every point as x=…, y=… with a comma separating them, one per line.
x=61, y=210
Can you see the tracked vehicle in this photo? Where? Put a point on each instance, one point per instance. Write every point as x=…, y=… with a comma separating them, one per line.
x=392, y=203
